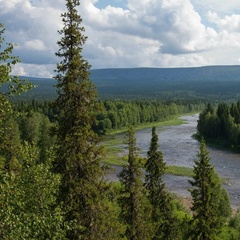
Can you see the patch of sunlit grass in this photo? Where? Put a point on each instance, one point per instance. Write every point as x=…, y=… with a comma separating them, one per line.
x=179, y=171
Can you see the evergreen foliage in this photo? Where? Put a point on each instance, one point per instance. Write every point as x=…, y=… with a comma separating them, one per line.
x=221, y=125
x=134, y=206
x=78, y=155
x=164, y=221
x=10, y=147
x=117, y=114
x=208, y=199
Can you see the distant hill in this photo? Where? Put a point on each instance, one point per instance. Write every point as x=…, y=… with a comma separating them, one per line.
x=211, y=83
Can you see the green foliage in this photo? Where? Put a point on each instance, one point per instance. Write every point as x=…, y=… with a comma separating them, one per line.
x=78, y=153
x=221, y=125
x=134, y=206
x=35, y=128
x=118, y=114
x=164, y=223
x=211, y=205
x=9, y=134
x=15, y=86
x=27, y=201
x=10, y=147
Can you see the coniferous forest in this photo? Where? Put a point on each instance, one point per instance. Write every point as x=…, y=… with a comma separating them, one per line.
x=220, y=124
x=52, y=177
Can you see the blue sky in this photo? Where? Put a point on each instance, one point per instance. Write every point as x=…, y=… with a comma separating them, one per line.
x=127, y=33
x=115, y=3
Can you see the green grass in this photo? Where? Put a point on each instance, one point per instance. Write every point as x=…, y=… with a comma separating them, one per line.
x=113, y=150
x=179, y=171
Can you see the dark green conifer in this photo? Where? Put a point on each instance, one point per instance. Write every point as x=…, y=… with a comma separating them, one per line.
x=134, y=210
x=164, y=222
x=208, y=199
x=82, y=189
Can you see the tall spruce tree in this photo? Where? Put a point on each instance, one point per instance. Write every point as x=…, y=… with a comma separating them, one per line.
x=134, y=209
x=164, y=222
x=78, y=152
x=210, y=201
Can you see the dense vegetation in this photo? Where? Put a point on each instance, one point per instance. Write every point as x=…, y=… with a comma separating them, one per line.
x=112, y=115
x=52, y=180
x=221, y=124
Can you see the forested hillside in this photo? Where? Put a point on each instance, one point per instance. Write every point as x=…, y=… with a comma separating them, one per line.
x=214, y=83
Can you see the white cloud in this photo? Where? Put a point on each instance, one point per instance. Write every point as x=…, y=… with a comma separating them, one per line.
x=35, y=44
x=19, y=70
x=34, y=70
x=152, y=33
x=229, y=23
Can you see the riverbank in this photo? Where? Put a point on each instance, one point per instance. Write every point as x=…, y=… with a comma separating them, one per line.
x=173, y=121
x=116, y=150
x=220, y=144
x=180, y=149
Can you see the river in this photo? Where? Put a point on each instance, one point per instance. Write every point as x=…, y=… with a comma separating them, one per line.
x=180, y=149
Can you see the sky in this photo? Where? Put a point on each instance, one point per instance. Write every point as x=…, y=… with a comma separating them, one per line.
x=126, y=33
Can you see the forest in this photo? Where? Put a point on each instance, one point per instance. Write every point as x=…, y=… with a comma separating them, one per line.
x=198, y=84
x=220, y=124
x=52, y=177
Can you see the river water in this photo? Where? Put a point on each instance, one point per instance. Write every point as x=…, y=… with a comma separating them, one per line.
x=180, y=149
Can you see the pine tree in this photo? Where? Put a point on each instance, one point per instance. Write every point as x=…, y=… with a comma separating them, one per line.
x=78, y=153
x=208, y=198
x=162, y=213
x=134, y=210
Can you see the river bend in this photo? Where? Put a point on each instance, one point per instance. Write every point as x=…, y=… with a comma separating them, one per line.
x=180, y=149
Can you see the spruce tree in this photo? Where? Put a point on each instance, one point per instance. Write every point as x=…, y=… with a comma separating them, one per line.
x=162, y=217
x=208, y=199
x=78, y=153
x=134, y=209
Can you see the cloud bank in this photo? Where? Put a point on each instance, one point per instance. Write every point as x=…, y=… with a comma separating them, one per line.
x=133, y=33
